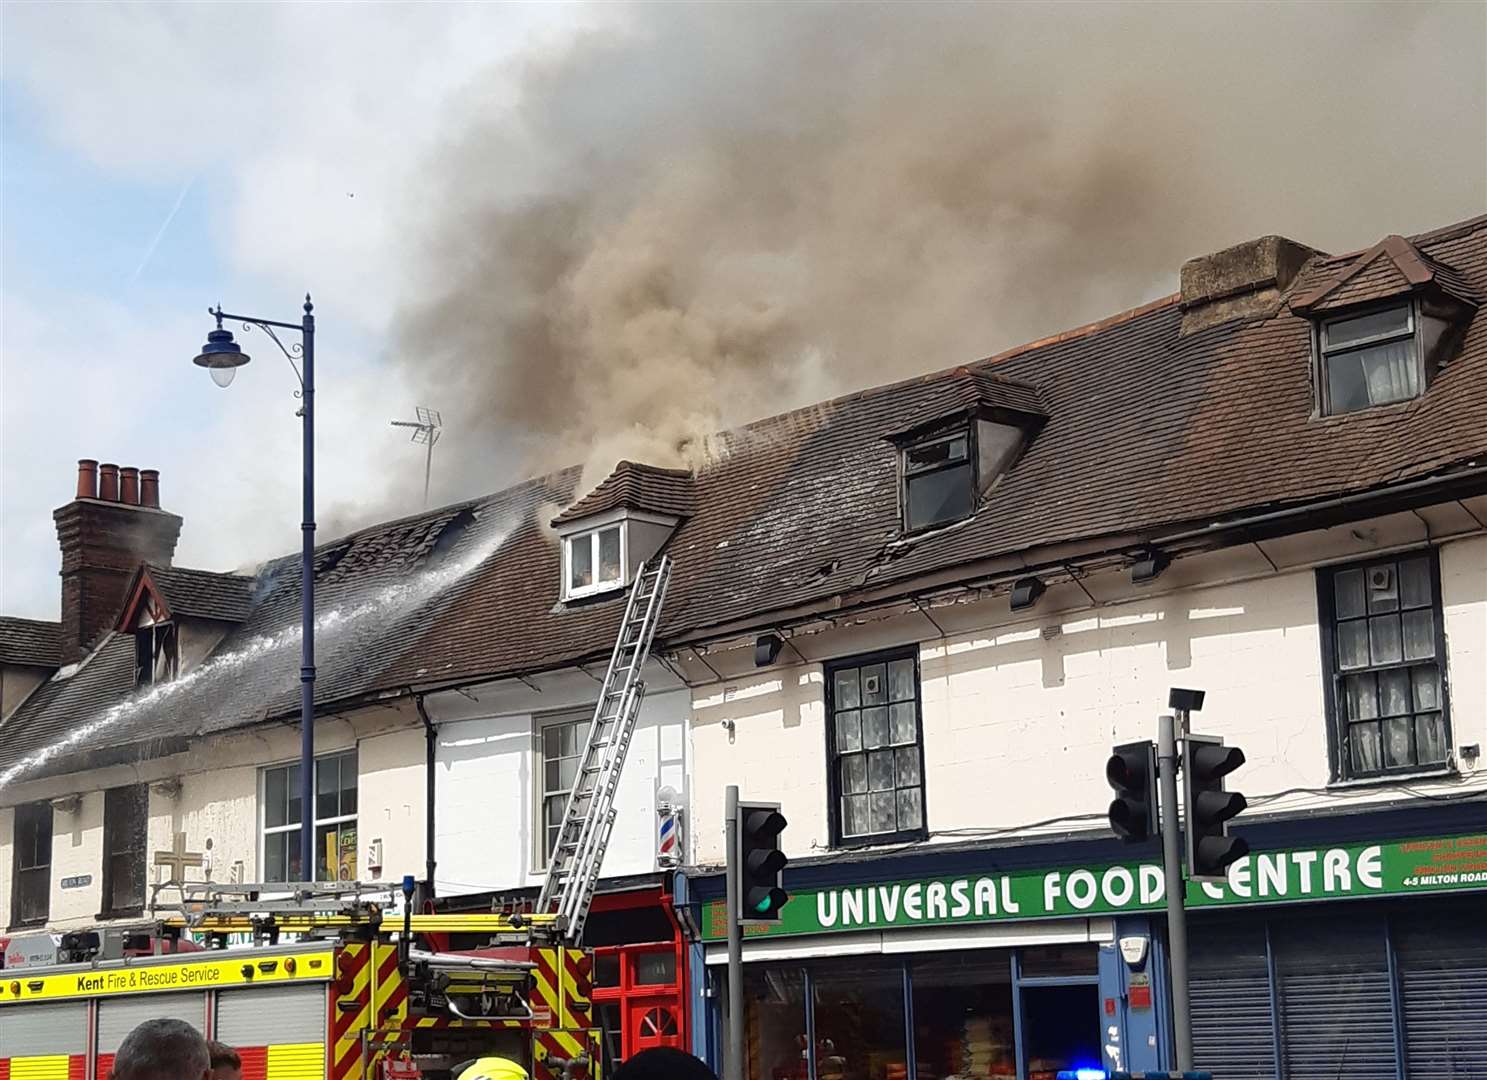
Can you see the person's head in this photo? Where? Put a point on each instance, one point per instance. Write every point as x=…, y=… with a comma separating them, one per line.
x=663, y=1063
x=492, y=1068
x=226, y=1065
x=163, y=1050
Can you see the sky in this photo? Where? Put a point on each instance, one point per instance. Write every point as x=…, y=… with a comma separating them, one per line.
x=592, y=231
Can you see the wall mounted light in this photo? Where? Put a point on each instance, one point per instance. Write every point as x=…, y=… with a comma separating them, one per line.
x=1149, y=567
x=767, y=648
x=1025, y=592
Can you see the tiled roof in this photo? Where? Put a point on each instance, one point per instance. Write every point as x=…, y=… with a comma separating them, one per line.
x=1148, y=432
x=1392, y=267
x=635, y=486
x=203, y=594
x=30, y=641
x=972, y=389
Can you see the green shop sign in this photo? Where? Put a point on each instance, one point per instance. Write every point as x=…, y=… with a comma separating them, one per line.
x=1325, y=873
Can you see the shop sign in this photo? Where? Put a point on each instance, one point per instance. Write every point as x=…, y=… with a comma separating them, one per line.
x=192, y=974
x=1323, y=873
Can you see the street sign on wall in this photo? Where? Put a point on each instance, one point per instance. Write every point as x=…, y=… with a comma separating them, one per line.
x=1399, y=868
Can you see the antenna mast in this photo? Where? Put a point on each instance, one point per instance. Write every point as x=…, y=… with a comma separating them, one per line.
x=425, y=430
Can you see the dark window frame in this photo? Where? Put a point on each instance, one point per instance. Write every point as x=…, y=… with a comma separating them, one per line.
x=36, y=810
x=117, y=804
x=150, y=643
x=965, y=429
x=1323, y=352
x=1338, y=750
x=833, y=757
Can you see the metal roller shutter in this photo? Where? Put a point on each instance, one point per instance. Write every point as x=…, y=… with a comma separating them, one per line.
x=1229, y=986
x=272, y=1015
x=1336, y=1009
x=35, y=1030
x=1443, y=983
x=117, y=1017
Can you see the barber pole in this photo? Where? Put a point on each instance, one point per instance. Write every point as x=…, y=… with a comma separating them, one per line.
x=668, y=838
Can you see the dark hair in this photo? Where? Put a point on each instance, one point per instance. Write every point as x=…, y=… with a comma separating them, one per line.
x=223, y=1055
x=162, y=1050
x=663, y=1063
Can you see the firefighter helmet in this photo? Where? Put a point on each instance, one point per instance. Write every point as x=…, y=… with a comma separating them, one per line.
x=493, y=1068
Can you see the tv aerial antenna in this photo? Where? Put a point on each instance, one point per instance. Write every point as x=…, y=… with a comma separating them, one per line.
x=426, y=430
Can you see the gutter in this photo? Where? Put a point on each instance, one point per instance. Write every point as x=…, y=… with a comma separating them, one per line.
x=430, y=744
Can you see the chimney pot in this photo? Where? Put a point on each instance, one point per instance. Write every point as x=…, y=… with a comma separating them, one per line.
x=149, y=488
x=108, y=482
x=129, y=485
x=87, y=478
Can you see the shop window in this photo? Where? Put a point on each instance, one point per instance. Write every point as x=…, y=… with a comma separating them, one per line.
x=655, y=968
x=561, y=743
x=775, y=1025
x=30, y=897
x=876, y=749
x=1383, y=648
x=125, y=817
x=859, y=1021
x=963, y=1022
x=335, y=820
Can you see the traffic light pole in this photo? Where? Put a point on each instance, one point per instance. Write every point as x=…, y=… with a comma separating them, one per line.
x=733, y=1068
x=1177, y=918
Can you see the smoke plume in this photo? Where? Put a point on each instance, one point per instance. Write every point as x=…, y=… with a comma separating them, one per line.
x=698, y=215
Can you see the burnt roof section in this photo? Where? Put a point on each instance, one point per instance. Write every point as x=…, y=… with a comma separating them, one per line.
x=973, y=391
x=1392, y=267
x=635, y=486
x=33, y=642
x=1149, y=432
x=199, y=594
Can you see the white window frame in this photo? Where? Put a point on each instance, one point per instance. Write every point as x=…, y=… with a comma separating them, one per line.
x=265, y=829
x=1327, y=352
x=540, y=728
x=591, y=537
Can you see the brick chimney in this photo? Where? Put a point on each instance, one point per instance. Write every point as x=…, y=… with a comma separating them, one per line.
x=1246, y=279
x=105, y=533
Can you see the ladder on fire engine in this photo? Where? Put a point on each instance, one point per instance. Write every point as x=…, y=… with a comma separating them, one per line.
x=588, y=817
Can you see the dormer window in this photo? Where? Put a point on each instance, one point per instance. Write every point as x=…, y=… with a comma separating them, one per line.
x=1370, y=359
x=939, y=479
x=594, y=561
x=155, y=655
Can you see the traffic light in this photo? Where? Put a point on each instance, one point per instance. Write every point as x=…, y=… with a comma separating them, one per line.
x=1132, y=772
x=760, y=862
x=1210, y=848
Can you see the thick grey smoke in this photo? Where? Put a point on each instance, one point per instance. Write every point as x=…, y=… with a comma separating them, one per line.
x=700, y=215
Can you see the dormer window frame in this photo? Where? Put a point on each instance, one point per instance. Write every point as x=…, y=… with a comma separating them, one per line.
x=590, y=529
x=1326, y=351
x=962, y=428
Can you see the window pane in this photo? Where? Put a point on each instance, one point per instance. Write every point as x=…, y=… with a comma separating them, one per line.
x=906, y=769
x=1427, y=681
x=854, y=815
x=1397, y=734
x=327, y=788
x=580, y=562
x=774, y=1018
x=609, y=555
x=880, y=770
x=652, y=969
x=902, y=725
x=901, y=679
x=910, y=809
x=1419, y=634
x=1394, y=692
x=1391, y=321
x=1352, y=644
x=1346, y=389
x=291, y=779
x=854, y=774
x=860, y=1014
x=326, y=849
x=1363, y=745
x=1383, y=589
x=848, y=731
x=846, y=692
x=1383, y=639
x=940, y=452
x=274, y=855
x=941, y=496
x=1359, y=697
x=551, y=780
x=881, y=808
x=874, y=684
x=1414, y=582
x=551, y=741
x=292, y=845
x=275, y=800
x=606, y=969
x=963, y=1014
x=1348, y=587
x=348, y=783
x=874, y=727
x=1430, y=739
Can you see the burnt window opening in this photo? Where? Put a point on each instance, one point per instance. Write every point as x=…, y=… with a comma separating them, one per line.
x=328, y=560
x=31, y=865
x=1370, y=359
x=125, y=817
x=939, y=480
x=450, y=535
x=156, y=658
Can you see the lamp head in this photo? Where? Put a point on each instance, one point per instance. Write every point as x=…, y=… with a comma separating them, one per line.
x=221, y=355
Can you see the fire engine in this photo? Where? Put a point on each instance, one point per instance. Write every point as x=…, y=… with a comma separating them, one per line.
x=345, y=980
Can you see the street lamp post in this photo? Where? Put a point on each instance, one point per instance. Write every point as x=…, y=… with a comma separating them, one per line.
x=221, y=357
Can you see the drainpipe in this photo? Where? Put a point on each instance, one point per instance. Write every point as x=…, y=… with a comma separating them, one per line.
x=429, y=735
